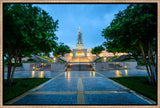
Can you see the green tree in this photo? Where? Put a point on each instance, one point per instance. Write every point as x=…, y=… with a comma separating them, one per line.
x=133, y=30
x=97, y=50
x=61, y=49
x=27, y=29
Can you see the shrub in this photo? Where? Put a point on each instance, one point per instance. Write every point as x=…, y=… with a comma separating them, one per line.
x=140, y=63
x=30, y=60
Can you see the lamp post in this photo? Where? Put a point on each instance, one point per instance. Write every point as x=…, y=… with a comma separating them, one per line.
x=104, y=59
x=54, y=59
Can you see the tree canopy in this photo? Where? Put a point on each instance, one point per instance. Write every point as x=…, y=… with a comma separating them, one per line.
x=134, y=30
x=97, y=50
x=27, y=29
x=61, y=49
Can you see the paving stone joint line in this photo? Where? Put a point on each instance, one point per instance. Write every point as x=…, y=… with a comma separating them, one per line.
x=131, y=91
x=30, y=91
x=80, y=92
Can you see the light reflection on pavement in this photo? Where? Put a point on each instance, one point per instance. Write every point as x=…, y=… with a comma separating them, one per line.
x=68, y=74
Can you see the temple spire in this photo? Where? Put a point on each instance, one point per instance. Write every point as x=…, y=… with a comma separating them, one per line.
x=79, y=29
x=79, y=44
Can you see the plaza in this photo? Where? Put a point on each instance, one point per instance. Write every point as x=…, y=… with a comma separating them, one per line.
x=80, y=87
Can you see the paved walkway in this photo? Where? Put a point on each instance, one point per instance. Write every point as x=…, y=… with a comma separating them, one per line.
x=88, y=87
x=49, y=74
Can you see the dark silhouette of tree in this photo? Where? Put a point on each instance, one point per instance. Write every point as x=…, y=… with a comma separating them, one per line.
x=134, y=30
x=27, y=30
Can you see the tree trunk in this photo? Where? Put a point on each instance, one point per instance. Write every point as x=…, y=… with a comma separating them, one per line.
x=114, y=53
x=151, y=70
x=152, y=57
x=144, y=60
x=20, y=58
x=153, y=63
x=9, y=70
x=12, y=74
x=135, y=57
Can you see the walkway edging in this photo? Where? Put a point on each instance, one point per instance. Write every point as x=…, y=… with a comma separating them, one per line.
x=31, y=90
x=131, y=91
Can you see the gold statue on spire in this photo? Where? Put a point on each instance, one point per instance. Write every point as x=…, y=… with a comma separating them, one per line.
x=79, y=29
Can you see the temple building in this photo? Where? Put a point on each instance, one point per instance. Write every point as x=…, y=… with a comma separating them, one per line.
x=79, y=44
x=79, y=51
x=80, y=54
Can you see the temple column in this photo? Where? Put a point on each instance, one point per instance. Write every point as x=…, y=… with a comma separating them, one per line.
x=85, y=52
x=73, y=53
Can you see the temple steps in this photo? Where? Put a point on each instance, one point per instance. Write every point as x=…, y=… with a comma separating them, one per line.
x=79, y=59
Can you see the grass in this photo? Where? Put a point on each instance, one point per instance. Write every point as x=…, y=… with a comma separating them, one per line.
x=17, y=65
x=140, y=63
x=109, y=60
x=20, y=86
x=63, y=61
x=140, y=85
x=50, y=61
x=97, y=59
x=31, y=62
x=128, y=60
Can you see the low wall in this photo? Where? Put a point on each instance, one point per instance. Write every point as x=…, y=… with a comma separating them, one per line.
x=26, y=66
x=101, y=66
x=114, y=65
x=17, y=69
x=36, y=66
x=55, y=67
x=141, y=67
x=127, y=65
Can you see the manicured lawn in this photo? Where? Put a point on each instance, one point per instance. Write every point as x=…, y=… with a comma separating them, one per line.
x=63, y=61
x=50, y=61
x=97, y=60
x=139, y=84
x=110, y=60
x=20, y=86
x=31, y=62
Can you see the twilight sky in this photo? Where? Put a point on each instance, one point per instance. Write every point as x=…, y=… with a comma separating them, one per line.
x=92, y=18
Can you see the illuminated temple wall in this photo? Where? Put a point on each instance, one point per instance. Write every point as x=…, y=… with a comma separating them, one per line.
x=87, y=53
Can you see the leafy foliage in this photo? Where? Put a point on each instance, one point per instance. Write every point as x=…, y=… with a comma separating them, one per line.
x=134, y=31
x=61, y=49
x=97, y=50
x=27, y=30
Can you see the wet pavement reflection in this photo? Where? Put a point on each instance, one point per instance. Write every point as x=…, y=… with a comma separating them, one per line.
x=70, y=74
x=80, y=87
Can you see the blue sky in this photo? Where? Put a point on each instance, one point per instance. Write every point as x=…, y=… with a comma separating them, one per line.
x=92, y=18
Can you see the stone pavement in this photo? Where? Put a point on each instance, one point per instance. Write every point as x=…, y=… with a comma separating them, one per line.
x=85, y=87
x=49, y=74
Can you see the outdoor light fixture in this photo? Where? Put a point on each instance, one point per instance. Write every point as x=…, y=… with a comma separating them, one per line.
x=54, y=59
x=104, y=59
